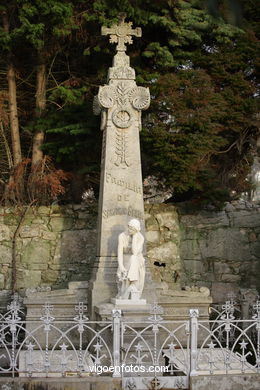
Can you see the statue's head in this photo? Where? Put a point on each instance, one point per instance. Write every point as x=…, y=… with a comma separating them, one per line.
x=134, y=226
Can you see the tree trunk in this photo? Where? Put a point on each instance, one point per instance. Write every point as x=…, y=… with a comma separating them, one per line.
x=13, y=113
x=40, y=105
x=14, y=123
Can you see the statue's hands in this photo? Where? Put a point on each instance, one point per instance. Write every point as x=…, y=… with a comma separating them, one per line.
x=121, y=273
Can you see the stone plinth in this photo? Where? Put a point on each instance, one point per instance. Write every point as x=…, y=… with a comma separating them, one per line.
x=63, y=301
x=73, y=383
x=62, y=307
x=128, y=303
x=136, y=312
x=176, y=306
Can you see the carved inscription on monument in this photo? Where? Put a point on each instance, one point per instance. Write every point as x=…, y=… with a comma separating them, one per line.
x=129, y=211
x=123, y=183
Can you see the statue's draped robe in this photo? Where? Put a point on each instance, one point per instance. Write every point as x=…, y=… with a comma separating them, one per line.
x=130, y=255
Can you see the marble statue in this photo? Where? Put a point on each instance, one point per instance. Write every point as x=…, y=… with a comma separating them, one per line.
x=131, y=263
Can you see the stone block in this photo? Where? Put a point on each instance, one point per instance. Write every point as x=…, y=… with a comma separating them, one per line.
x=83, y=215
x=245, y=218
x=6, y=271
x=5, y=253
x=231, y=278
x=39, y=266
x=58, y=224
x=166, y=252
x=206, y=276
x=220, y=291
x=5, y=233
x=45, y=210
x=50, y=276
x=80, y=224
x=151, y=224
x=230, y=208
x=191, y=233
x=36, y=251
x=257, y=230
x=206, y=219
x=193, y=266
x=50, y=236
x=255, y=249
x=225, y=244
x=87, y=220
x=157, y=274
x=29, y=231
x=169, y=235
x=36, y=220
x=77, y=245
x=225, y=382
x=28, y=278
x=55, y=267
x=252, y=236
x=10, y=218
x=168, y=220
x=152, y=236
x=189, y=249
x=2, y=281
x=67, y=383
x=221, y=268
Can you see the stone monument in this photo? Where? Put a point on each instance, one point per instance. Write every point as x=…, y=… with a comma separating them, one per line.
x=120, y=277
x=120, y=103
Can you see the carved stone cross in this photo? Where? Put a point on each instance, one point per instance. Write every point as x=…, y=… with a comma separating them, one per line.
x=121, y=34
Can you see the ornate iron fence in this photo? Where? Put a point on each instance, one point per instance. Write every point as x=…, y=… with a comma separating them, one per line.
x=152, y=352
x=49, y=347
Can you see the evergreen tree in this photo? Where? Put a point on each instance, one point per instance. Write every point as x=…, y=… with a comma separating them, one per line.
x=7, y=45
x=199, y=59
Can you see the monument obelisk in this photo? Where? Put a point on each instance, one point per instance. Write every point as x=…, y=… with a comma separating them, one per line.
x=120, y=103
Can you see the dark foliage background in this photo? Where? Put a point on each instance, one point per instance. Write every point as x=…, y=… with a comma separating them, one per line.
x=200, y=60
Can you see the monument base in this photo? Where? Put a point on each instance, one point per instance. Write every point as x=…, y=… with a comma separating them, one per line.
x=63, y=301
x=128, y=302
x=176, y=304
x=62, y=306
x=138, y=312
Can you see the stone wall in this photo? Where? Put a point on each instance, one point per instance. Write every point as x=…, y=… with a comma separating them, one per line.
x=225, y=382
x=56, y=245
x=163, y=243
x=67, y=383
x=221, y=250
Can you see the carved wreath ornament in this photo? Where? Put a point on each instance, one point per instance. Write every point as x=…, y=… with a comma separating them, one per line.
x=123, y=98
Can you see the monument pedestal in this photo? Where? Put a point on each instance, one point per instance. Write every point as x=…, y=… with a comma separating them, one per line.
x=130, y=312
x=103, y=285
x=177, y=307
x=124, y=303
x=61, y=305
x=63, y=301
